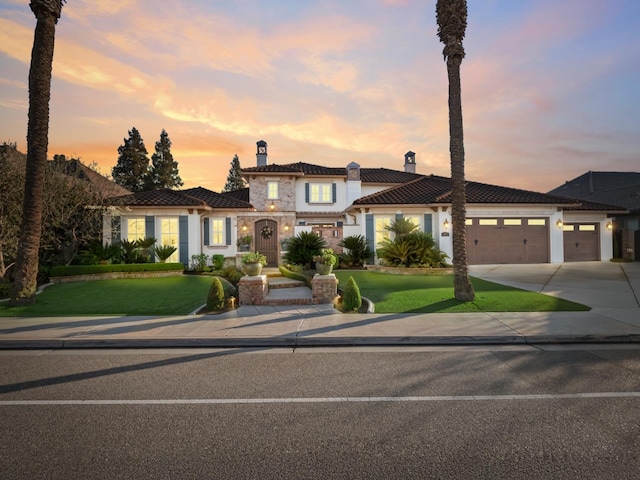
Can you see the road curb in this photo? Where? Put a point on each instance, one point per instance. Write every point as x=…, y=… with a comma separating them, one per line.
x=292, y=342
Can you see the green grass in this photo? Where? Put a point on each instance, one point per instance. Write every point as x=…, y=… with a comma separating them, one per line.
x=140, y=296
x=434, y=293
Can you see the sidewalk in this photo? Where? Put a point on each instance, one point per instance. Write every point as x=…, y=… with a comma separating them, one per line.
x=611, y=289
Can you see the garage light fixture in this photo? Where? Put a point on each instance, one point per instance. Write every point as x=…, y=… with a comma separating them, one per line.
x=609, y=226
x=446, y=224
x=559, y=224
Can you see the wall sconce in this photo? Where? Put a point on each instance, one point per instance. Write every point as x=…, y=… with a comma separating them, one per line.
x=286, y=227
x=609, y=226
x=559, y=224
x=272, y=207
x=446, y=224
x=244, y=227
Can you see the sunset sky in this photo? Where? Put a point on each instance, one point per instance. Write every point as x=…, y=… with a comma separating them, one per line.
x=550, y=88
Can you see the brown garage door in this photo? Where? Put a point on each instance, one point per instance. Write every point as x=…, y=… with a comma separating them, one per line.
x=581, y=242
x=507, y=240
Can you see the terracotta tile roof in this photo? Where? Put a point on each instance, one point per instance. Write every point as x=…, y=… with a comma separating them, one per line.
x=193, y=197
x=242, y=194
x=217, y=200
x=599, y=207
x=433, y=189
x=367, y=175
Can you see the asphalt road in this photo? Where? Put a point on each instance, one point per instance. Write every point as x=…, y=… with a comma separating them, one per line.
x=511, y=412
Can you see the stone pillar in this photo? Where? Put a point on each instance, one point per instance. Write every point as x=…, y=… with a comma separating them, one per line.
x=324, y=288
x=252, y=290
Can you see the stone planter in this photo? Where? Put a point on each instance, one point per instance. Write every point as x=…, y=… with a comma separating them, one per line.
x=252, y=269
x=324, y=269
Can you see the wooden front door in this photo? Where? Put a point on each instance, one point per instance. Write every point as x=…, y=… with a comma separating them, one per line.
x=266, y=235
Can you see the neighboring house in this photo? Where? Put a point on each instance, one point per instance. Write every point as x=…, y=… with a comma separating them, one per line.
x=504, y=225
x=621, y=189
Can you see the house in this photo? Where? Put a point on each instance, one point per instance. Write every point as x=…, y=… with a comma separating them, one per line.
x=504, y=225
x=621, y=189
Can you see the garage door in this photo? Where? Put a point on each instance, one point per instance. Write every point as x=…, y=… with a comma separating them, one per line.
x=507, y=240
x=581, y=242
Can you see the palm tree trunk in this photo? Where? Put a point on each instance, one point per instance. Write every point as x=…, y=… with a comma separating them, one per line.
x=26, y=273
x=463, y=289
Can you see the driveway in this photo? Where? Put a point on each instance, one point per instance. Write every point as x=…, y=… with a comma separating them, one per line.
x=612, y=289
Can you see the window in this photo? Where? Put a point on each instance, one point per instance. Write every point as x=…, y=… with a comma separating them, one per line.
x=587, y=228
x=217, y=231
x=567, y=228
x=415, y=220
x=135, y=229
x=381, y=232
x=512, y=221
x=169, y=235
x=320, y=193
x=272, y=190
x=488, y=221
x=468, y=221
x=537, y=221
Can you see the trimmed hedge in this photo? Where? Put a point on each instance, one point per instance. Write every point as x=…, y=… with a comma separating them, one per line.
x=70, y=270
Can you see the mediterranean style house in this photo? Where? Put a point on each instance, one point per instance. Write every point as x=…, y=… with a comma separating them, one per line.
x=504, y=225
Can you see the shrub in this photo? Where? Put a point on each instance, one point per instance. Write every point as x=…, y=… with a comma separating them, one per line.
x=217, y=261
x=357, y=251
x=67, y=270
x=199, y=262
x=326, y=257
x=351, y=299
x=232, y=274
x=98, y=252
x=215, y=298
x=303, y=247
x=164, y=252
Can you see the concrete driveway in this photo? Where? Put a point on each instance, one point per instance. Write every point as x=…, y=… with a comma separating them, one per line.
x=611, y=289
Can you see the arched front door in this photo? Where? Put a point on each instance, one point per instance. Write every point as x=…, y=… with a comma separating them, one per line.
x=266, y=235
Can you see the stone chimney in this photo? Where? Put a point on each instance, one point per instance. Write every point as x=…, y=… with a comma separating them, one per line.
x=354, y=183
x=261, y=155
x=410, y=162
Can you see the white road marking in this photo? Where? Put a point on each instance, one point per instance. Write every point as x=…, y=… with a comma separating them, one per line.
x=236, y=401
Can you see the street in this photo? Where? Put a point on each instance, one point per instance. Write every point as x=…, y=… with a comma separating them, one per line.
x=516, y=412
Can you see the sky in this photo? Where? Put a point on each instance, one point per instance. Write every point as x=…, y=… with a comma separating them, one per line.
x=550, y=88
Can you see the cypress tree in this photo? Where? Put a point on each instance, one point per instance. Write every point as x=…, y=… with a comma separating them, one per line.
x=132, y=169
x=164, y=169
x=234, y=179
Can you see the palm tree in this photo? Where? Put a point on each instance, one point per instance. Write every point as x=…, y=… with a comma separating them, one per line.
x=47, y=13
x=451, y=16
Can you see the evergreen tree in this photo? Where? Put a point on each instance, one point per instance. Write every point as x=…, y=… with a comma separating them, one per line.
x=234, y=179
x=132, y=168
x=164, y=170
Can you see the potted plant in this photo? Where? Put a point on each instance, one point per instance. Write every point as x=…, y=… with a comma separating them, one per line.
x=244, y=243
x=325, y=261
x=252, y=263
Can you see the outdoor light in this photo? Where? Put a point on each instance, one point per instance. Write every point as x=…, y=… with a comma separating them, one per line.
x=609, y=226
x=446, y=224
x=244, y=228
x=272, y=206
x=559, y=224
x=286, y=227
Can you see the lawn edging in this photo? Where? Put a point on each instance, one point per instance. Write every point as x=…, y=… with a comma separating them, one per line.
x=409, y=270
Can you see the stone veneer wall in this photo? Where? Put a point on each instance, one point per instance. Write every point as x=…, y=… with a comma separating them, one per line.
x=112, y=275
x=286, y=201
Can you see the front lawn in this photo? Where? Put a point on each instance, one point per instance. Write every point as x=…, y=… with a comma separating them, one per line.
x=434, y=293
x=137, y=296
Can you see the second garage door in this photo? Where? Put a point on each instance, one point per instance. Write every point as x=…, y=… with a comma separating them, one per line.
x=507, y=240
x=581, y=242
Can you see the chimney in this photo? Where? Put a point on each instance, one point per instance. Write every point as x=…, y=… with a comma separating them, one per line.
x=410, y=162
x=261, y=155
